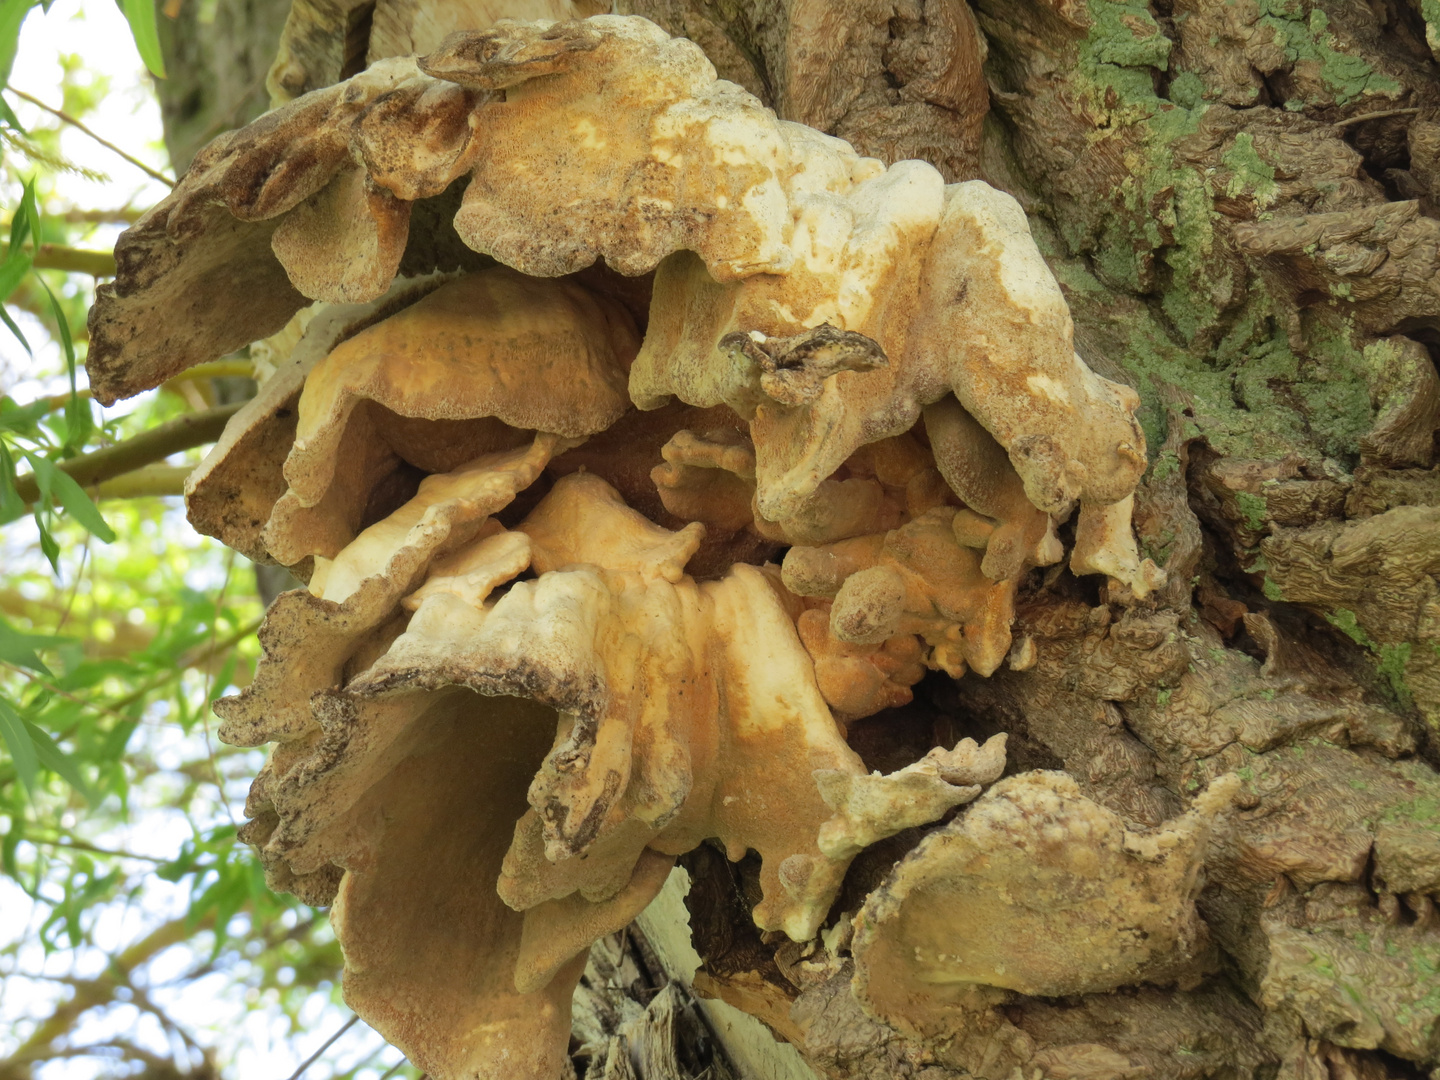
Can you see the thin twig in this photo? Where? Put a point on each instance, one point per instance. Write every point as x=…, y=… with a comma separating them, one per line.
x=75, y=586
x=156, y=444
x=67, y=118
x=1383, y=114
x=324, y=1046
x=80, y=845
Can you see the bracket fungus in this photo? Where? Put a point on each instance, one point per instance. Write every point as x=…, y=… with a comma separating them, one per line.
x=536, y=464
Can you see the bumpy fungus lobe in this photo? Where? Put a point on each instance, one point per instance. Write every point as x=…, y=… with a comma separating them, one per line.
x=471, y=368
x=760, y=228
x=1036, y=889
x=234, y=490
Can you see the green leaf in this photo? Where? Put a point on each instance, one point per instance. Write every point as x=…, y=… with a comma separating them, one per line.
x=12, y=17
x=77, y=414
x=141, y=16
x=31, y=209
x=66, y=342
x=20, y=221
x=80, y=507
x=60, y=487
x=13, y=270
x=5, y=315
x=17, y=740
x=48, y=547
x=8, y=117
x=60, y=763
x=17, y=259
x=22, y=419
x=19, y=648
x=11, y=505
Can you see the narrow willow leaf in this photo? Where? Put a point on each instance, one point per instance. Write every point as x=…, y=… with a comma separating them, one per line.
x=78, y=421
x=5, y=315
x=12, y=16
x=31, y=209
x=66, y=342
x=13, y=270
x=48, y=547
x=141, y=16
x=20, y=649
x=80, y=506
x=17, y=740
x=20, y=220
x=60, y=763
x=23, y=418
x=59, y=487
x=11, y=505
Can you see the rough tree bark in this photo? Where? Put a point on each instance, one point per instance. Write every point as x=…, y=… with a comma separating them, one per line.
x=1237, y=200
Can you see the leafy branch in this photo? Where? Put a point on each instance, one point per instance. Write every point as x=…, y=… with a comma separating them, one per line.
x=80, y=126
x=156, y=444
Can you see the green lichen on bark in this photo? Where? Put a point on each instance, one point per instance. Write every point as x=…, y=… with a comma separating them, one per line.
x=1206, y=326
x=1430, y=11
x=1249, y=172
x=1253, y=508
x=1306, y=38
x=1390, y=660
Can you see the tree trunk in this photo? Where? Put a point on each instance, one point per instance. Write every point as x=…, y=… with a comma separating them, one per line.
x=1236, y=199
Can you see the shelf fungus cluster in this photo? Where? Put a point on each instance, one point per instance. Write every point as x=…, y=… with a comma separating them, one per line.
x=632, y=443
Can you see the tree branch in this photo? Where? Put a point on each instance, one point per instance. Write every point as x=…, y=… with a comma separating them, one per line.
x=125, y=215
x=146, y=483
x=75, y=260
x=81, y=845
x=216, y=369
x=67, y=118
x=96, y=992
x=146, y=448
x=71, y=260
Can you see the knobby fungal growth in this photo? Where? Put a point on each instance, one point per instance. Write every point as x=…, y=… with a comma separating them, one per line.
x=636, y=446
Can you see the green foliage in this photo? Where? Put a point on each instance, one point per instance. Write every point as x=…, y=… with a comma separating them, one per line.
x=140, y=14
x=122, y=881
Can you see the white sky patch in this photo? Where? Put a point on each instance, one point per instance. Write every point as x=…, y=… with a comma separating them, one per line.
x=128, y=115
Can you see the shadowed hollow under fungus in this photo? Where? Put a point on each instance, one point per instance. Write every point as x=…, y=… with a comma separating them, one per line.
x=627, y=497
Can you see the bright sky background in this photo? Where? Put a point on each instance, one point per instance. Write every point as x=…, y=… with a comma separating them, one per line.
x=128, y=116
x=251, y=1042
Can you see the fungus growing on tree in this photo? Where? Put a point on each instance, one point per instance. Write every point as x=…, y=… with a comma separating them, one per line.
x=634, y=444
x=1038, y=890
